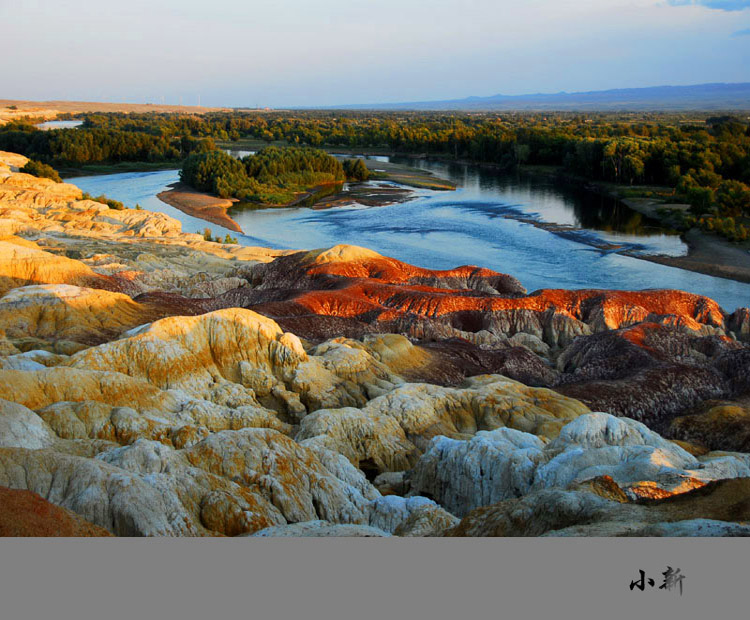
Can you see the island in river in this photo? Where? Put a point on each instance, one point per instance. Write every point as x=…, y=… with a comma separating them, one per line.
x=388, y=176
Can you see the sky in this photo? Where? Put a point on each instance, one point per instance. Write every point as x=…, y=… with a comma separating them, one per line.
x=287, y=53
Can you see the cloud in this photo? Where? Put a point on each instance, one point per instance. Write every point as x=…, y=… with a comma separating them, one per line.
x=721, y=5
x=742, y=33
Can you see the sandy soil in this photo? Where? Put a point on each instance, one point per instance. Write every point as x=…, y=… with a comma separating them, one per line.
x=198, y=204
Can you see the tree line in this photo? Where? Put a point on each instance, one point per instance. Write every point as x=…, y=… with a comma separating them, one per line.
x=77, y=147
x=700, y=159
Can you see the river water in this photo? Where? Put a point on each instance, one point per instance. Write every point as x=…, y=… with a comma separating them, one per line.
x=492, y=220
x=46, y=126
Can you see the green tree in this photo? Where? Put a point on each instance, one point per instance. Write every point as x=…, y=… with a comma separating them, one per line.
x=733, y=198
x=38, y=169
x=356, y=169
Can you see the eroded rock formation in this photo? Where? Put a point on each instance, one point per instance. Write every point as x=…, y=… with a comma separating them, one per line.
x=153, y=383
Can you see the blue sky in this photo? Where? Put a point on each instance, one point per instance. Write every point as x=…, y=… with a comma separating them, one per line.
x=720, y=5
x=325, y=52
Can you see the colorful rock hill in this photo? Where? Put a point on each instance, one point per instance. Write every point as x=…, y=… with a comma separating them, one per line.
x=153, y=383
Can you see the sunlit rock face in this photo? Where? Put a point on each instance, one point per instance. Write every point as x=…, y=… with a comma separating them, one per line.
x=233, y=356
x=22, y=264
x=592, y=345
x=55, y=312
x=392, y=431
x=153, y=383
x=304, y=270
x=348, y=281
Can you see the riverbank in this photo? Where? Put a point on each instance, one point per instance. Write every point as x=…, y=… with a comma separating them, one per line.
x=406, y=175
x=710, y=255
x=367, y=195
x=707, y=253
x=198, y=204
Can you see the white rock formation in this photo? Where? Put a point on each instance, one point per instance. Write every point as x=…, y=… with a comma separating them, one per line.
x=503, y=464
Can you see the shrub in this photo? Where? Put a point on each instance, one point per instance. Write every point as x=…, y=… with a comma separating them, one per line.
x=208, y=236
x=111, y=203
x=38, y=169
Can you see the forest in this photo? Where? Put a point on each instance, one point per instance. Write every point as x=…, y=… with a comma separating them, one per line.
x=75, y=147
x=693, y=158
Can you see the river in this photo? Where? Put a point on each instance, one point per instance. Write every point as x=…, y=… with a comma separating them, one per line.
x=46, y=126
x=489, y=221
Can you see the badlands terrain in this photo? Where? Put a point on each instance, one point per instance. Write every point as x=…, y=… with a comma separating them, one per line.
x=155, y=384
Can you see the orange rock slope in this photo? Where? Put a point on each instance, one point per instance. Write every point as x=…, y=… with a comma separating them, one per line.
x=26, y=514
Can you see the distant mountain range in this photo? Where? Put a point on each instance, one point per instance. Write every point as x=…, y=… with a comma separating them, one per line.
x=695, y=97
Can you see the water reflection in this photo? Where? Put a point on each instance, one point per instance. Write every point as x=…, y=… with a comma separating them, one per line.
x=544, y=197
x=239, y=153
